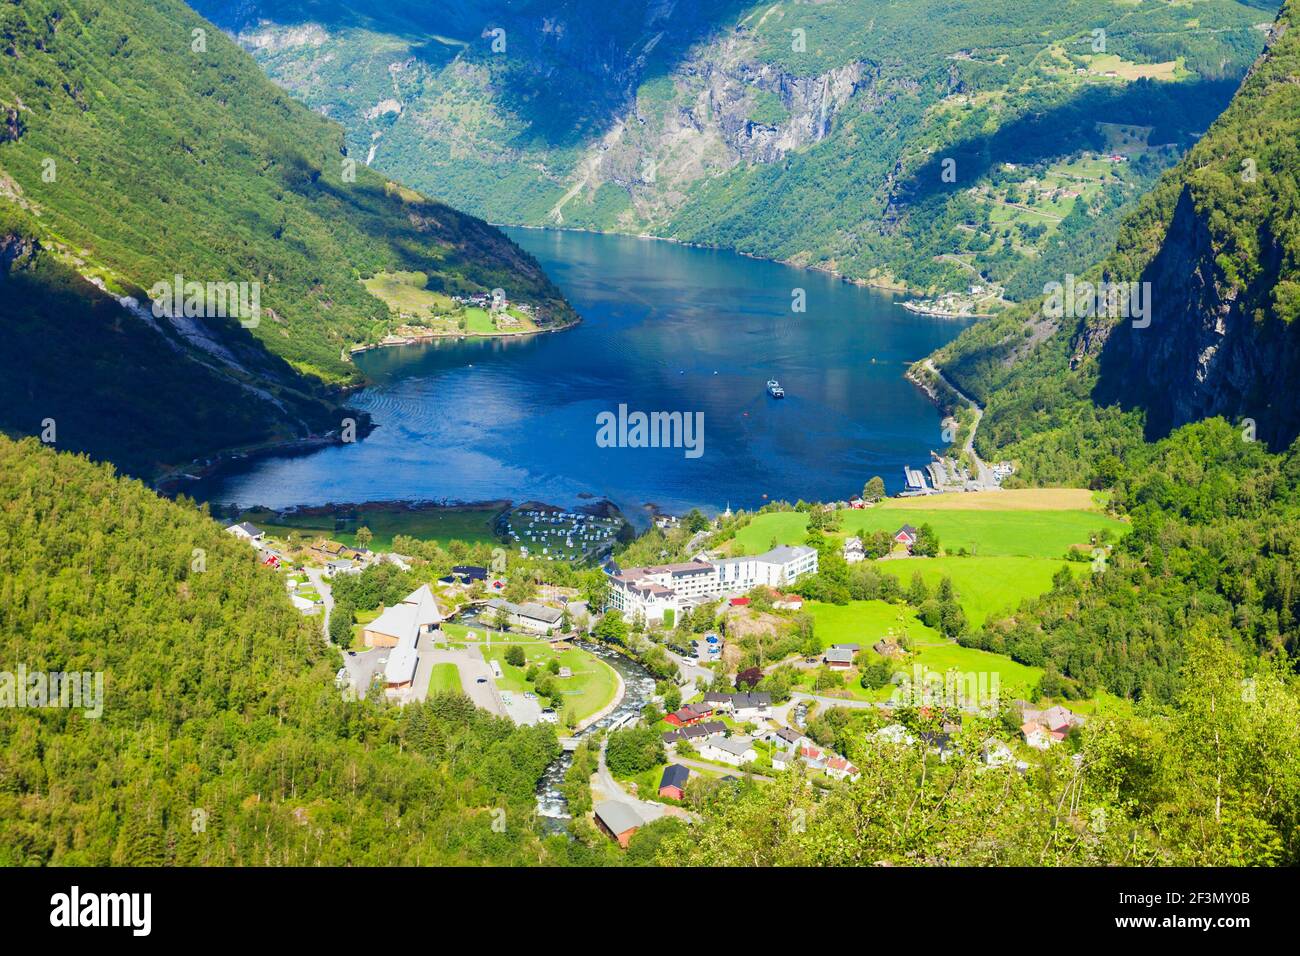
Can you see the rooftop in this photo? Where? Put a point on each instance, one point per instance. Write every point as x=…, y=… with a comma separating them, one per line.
x=618, y=816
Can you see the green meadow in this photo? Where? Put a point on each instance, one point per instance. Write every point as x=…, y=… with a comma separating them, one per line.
x=591, y=687
x=1018, y=533
x=444, y=677
x=985, y=586
x=865, y=622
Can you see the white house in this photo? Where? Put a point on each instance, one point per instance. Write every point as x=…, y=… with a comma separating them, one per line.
x=735, y=751
x=246, y=532
x=756, y=706
x=853, y=550
x=531, y=617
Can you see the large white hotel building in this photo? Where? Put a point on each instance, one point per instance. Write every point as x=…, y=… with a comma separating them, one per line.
x=653, y=590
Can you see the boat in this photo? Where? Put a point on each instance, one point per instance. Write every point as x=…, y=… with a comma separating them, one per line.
x=774, y=388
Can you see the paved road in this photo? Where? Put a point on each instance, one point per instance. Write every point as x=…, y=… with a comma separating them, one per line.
x=841, y=701
x=321, y=584
x=690, y=671
x=605, y=787
x=715, y=768
x=472, y=666
x=983, y=472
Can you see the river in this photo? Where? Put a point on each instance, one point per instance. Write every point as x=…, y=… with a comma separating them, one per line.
x=667, y=328
x=639, y=687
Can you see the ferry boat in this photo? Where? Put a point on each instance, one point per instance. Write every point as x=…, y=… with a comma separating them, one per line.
x=774, y=388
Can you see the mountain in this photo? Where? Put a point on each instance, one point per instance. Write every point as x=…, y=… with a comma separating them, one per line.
x=137, y=144
x=90, y=375
x=1216, y=245
x=216, y=736
x=814, y=132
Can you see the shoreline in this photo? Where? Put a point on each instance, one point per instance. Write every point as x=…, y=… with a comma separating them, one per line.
x=916, y=309
x=896, y=287
x=173, y=481
x=456, y=336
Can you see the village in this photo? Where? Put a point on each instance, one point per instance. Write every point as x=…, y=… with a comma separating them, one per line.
x=743, y=697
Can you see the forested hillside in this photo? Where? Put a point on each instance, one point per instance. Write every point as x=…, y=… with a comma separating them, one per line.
x=222, y=738
x=1217, y=243
x=144, y=143
x=813, y=132
x=1074, y=400
x=91, y=376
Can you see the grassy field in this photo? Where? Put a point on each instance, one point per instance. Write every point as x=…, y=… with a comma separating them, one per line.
x=591, y=687
x=471, y=525
x=985, y=586
x=1016, y=499
x=405, y=292
x=444, y=677
x=1028, y=532
x=864, y=622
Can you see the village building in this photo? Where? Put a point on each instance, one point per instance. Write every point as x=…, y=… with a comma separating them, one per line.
x=753, y=706
x=735, y=751
x=246, y=532
x=839, y=768
x=618, y=820
x=672, y=784
x=416, y=615
x=1043, y=728
x=694, y=733
x=854, y=551
x=537, y=618
x=906, y=536
x=784, y=738
x=655, y=590
x=689, y=714
x=838, y=658
x=341, y=566
x=787, y=602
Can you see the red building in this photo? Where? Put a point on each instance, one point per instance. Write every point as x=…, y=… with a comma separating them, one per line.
x=673, y=784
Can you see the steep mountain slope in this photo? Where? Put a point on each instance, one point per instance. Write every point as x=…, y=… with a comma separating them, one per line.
x=809, y=132
x=1217, y=241
x=221, y=739
x=144, y=144
x=89, y=375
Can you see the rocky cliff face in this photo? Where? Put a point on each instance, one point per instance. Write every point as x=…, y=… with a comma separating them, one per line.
x=1212, y=348
x=718, y=117
x=1223, y=337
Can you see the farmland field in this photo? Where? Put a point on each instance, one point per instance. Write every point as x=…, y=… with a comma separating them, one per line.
x=864, y=622
x=985, y=586
x=1025, y=532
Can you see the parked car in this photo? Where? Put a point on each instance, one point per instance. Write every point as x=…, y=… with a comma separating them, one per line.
x=481, y=680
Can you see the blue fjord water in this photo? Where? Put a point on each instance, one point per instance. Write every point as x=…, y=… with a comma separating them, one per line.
x=665, y=328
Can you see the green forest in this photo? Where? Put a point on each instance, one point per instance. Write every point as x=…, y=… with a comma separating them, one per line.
x=222, y=740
